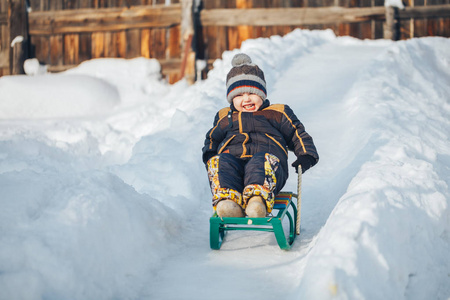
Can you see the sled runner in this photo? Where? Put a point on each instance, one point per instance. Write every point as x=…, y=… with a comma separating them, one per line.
x=273, y=223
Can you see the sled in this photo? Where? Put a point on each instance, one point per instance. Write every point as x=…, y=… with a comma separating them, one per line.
x=283, y=207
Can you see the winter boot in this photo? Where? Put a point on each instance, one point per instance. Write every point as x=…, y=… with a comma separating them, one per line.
x=256, y=207
x=229, y=209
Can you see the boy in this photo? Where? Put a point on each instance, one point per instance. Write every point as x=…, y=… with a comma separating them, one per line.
x=246, y=151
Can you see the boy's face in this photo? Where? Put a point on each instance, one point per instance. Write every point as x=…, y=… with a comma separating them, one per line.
x=247, y=102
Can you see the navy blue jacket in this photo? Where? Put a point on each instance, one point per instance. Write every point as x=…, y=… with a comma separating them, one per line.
x=272, y=129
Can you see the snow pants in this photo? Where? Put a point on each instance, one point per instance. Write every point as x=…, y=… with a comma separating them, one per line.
x=236, y=179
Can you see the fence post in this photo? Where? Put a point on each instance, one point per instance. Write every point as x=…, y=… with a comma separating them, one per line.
x=18, y=34
x=391, y=27
x=187, y=32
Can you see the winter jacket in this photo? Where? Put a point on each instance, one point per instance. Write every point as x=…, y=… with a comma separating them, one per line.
x=272, y=129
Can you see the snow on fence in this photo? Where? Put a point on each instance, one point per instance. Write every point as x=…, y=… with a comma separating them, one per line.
x=63, y=33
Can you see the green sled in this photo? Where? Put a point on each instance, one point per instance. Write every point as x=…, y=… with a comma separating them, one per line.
x=283, y=201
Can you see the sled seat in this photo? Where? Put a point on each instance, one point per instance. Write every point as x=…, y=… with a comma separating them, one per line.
x=273, y=223
x=282, y=200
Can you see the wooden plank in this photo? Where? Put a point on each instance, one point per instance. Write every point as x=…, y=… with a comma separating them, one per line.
x=3, y=19
x=365, y=3
x=170, y=65
x=85, y=47
x=354, y=30
x=71, y=4
x=121, y=43
x=439, y=27
x=405, y=30
x=174, y=46
x=435, y=11
x=159, y=43
x=18, y=28
x=366, y=30
x=378, y=29
x=232, y=38
x=436, y=2
x=420, y=28
x=98, y=45
x=210, y=33
x=446, y=31
x=56, y=49
x=221, y=40
x=71, y=45
x=145, y=42
x=431, y=27
x=106, y=19
x=4, y=37
x=133, y=43
x=3, y=6
x=110, y=45
x=4, y=58
x=244, y=33
x=289, y=16
x=328, y=3
x=344, y=29
x=85, y=3
x=314, y=3
x=42, y=52
x=258, y=31
x=244, y=4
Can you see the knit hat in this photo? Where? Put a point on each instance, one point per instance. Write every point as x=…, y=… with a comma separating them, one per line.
x=245, y=77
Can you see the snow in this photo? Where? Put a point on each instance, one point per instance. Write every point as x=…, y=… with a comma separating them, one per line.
x=17, y=40
x=104, y=195
x=394, y=3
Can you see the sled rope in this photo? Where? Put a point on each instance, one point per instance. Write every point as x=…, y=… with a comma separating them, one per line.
x=299, y=199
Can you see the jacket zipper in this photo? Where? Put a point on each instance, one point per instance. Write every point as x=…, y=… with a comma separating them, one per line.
x=244, y=149
x=226, y=143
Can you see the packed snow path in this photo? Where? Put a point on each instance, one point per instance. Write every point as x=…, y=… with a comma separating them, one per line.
x=251, y=263
x=104, y=195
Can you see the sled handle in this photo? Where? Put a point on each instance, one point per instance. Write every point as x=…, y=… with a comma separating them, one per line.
x=299, y=199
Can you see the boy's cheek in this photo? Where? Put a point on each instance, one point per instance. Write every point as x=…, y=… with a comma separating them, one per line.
x=238, y=106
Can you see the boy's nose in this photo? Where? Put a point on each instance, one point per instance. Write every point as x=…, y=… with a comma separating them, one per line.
x=246, y=96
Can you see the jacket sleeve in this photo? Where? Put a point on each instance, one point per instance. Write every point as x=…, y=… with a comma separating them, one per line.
x=298, y=140
x=213, y=138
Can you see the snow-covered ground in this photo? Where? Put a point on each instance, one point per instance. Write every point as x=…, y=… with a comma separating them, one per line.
x=104, y=195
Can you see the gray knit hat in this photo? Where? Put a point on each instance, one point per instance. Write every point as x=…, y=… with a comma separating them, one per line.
x=245, y=77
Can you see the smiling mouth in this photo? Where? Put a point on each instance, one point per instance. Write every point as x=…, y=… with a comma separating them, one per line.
x=249, y=107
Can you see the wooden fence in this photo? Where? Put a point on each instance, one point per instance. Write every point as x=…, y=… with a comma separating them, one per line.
x=226, y=24
x=64, y=33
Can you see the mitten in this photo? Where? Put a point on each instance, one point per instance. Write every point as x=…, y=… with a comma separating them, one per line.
x=306, y=161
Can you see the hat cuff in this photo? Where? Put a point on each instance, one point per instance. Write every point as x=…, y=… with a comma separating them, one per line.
x=245, y=89
x=245, y=83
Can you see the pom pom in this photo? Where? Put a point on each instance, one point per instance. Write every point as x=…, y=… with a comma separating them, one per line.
x=241, y=59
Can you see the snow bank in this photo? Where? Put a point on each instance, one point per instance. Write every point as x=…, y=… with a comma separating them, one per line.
x=70, y=231
x=137, y=80
x=388, y=236
x=23, y=97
